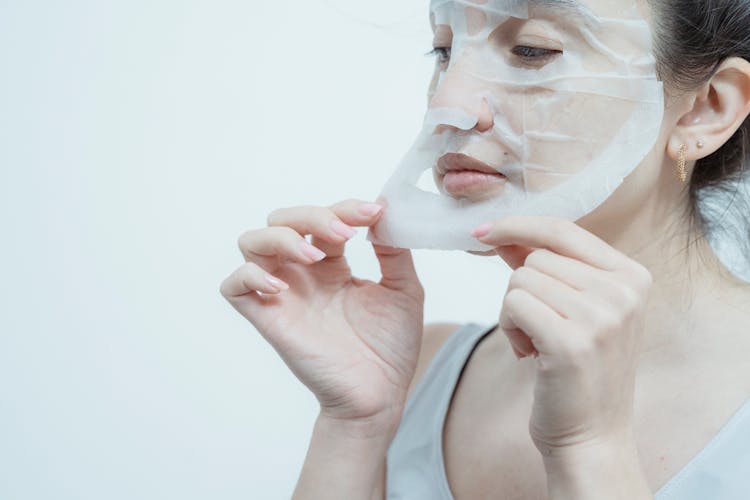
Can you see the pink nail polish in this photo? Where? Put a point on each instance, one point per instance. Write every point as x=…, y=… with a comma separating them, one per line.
x=342, y=229
x=311, y=252
x=276, y=283
x=482, y=230
x=370, y=209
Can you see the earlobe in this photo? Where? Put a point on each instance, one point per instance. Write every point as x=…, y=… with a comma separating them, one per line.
x=719, y=109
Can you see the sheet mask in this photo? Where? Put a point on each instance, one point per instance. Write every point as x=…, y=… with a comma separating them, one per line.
x=565, y=133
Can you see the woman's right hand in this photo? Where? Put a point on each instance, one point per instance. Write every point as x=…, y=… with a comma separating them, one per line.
x=354, y=343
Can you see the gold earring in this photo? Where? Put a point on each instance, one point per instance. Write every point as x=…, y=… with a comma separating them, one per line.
x=682, y=163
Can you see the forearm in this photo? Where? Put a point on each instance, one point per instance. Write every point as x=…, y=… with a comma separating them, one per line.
x=343, y=461
x=612, y=471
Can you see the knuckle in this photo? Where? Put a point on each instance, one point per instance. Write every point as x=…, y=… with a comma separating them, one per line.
x=246, y=238
x=223, y=287
x=607, y=320
x=345, y=205
x=629, y=297
x=646, y=279
x=317, y=212
x=560, y=230
x=249, y=275
x=559, y=227
x=274, y=237
x=316, y=218
x=274, y=217
x=513, y=298
x=228, y=284
x=581, y=347
x=515, y=281
x=640, y=275
x=282, y=235
x=535, y=258
x=521, y=277
x=287, y=215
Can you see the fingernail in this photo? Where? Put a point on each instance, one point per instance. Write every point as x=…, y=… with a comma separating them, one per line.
x=370, y=209
x=277, y=283
x=342, y=229
x=311, y=252
x=482, y=230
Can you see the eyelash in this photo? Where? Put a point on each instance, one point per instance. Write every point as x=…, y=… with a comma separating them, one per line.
x=443, y=54
x=535, y=54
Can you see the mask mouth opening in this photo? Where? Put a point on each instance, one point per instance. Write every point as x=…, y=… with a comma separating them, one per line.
x=458, y=162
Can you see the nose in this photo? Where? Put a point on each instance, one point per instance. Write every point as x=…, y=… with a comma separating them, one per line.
x=458, y=90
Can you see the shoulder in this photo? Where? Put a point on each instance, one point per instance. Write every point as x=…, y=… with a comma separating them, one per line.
x=433, y=338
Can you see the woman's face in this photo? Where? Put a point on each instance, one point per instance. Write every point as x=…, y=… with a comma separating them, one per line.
x=551, y=89
x=537, y=107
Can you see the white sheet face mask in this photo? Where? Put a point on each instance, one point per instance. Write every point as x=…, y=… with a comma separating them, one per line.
x=558, y=99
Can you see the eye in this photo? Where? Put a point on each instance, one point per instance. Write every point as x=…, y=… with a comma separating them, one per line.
x=442, y=54
x=534, y=54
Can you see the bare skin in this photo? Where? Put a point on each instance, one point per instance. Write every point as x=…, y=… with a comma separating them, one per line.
x=686, y=390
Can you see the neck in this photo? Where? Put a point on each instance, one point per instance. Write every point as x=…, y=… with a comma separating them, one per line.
x=688, y=277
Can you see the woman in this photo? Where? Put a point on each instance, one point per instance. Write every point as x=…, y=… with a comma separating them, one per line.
x=634, y=333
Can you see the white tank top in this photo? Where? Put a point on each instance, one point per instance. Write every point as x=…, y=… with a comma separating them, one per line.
x=416, y=468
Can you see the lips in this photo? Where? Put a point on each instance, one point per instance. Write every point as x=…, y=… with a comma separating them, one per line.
x=458, y=162
x=465, y=177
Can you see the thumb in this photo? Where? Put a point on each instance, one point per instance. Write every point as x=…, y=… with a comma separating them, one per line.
x=396, y=267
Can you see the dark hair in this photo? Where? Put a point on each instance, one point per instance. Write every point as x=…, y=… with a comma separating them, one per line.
x=692, y=39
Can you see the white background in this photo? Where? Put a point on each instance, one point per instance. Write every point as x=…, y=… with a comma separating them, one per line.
x=138, y=139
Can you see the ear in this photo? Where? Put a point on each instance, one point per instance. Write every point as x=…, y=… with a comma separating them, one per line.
x=719, y=109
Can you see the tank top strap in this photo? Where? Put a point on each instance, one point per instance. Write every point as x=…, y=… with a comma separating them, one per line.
x=414, y=462
x=414, y=459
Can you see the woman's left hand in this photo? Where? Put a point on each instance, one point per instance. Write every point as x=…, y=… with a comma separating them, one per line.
x=577, y=305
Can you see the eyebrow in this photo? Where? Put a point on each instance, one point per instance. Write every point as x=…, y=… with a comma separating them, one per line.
x=572, y=8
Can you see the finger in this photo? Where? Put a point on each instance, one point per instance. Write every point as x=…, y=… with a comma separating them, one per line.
x=558, y=296
x=596, y=285
x=396, y=267
x=520, y=342
x=247, y=292
x=249, y=279
x=329, y=232
x=523, y=311
x=514, y=255
x=330, y=227
x=269, y=246
x=572, y=272
x=353, y=213
x=558, y=235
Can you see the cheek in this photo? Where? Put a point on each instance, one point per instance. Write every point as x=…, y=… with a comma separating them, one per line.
x=567, y=132
x=636, y=192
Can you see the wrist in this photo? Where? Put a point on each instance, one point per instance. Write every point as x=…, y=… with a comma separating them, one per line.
x=373, y=429
x=608, y=468
x=621, y=444
x=345, y=459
